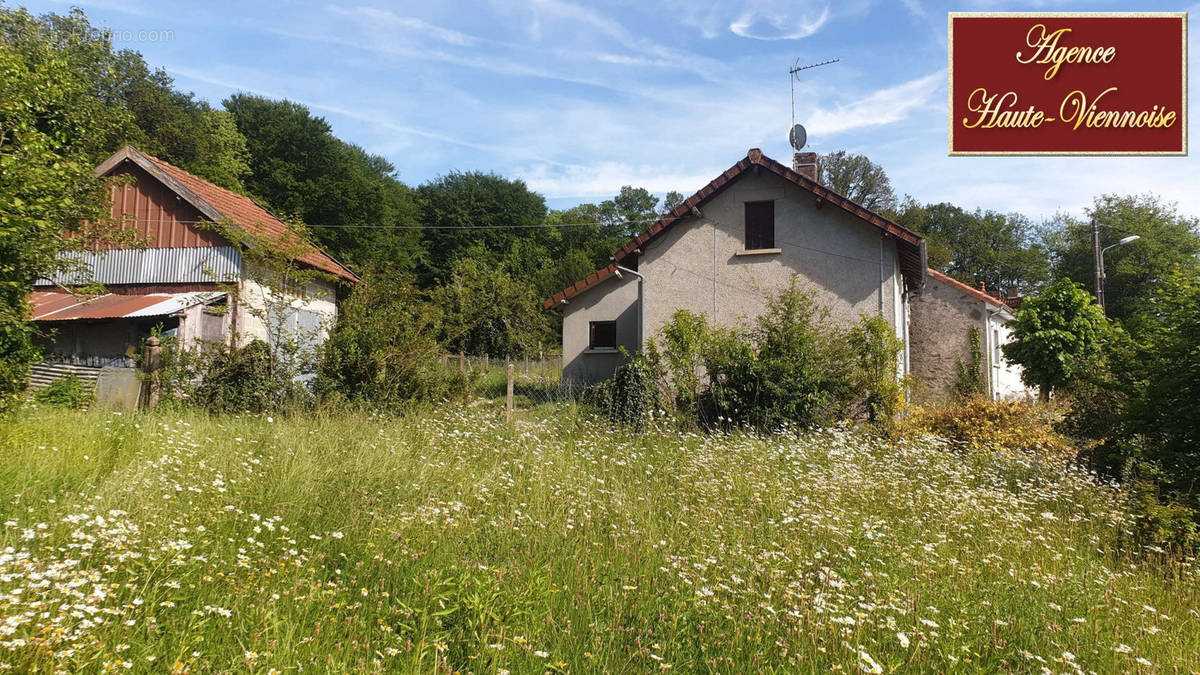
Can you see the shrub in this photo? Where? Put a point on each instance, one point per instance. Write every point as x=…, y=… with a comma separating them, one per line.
x=65, y=392
x=242, y=380
x=384, y=353
x=632, y=396
x=791, y=368
x=877, y=349
x=979, y=423
x=680, y=361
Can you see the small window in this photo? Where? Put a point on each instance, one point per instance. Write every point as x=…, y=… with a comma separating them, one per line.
x=760, y=225
x=603, y=335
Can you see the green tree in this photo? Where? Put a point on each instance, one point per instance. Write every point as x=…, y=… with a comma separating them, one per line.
x=1166, y=411
x=487, y=311
x=52, y=128
x=671, y=200
x=1169, y=241
x=860, y=179
x=156, y=118
x=477, y=201
x=1057, y=336
x=361, y=213
x=999, y=250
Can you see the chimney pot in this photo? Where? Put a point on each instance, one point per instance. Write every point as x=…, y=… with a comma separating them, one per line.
x=983, y=286
x=806, y=164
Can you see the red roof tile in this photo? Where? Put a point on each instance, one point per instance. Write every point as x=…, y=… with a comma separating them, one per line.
x=910, y=243
x=219, y=203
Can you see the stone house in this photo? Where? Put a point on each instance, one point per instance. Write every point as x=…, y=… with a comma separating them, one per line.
x=725, y=249
x=946, y=318
x=180, y=274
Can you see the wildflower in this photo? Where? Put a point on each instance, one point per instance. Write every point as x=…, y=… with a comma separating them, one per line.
x=541, y=654
x=903, y=640
x=1123, y=649
x=1142, y=661
x=868, y=664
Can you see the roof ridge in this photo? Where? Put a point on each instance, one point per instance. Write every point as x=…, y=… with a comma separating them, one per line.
x=754, y=157
x=190, y=186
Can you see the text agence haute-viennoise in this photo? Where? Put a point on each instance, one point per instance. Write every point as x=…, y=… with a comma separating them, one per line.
x=992, y=110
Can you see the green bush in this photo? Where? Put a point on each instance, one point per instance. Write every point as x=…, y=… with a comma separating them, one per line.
x=793, y=366
x=243, y=380
x=384, y=353
x=65, y=392
x=632, y=396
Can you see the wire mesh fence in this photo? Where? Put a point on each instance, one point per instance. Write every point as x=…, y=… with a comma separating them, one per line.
x=535, y=381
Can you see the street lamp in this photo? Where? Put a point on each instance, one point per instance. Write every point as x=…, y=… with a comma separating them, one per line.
x=1098, y=258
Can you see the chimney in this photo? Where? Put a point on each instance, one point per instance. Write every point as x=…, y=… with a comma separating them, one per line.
x=805, y=164
x=983, y=286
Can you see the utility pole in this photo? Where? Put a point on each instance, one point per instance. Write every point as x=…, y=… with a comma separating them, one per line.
x=1098, y=262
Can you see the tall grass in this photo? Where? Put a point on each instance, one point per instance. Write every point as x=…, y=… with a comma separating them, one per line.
x=448, y=541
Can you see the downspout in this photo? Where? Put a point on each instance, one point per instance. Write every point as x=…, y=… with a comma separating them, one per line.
x=993, y=367
x=641, y=305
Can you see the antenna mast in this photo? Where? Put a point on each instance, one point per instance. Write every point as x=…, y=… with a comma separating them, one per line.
x=796, y=68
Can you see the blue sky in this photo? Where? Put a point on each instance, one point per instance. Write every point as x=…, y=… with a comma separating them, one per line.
x=580, y=98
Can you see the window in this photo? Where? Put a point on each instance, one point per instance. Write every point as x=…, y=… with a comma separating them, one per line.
x=603, y=335
x=760, y=225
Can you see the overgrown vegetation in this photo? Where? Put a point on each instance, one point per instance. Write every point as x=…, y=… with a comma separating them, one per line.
x=968, y=378
x=450, y=541
x=65, y=392
x=791, y=367
x=1132, y=391
x=384, y=354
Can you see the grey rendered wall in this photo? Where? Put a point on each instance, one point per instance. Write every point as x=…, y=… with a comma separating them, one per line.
x=845, y=262
x=695, y=265
x=942, y=317
x=611, y=300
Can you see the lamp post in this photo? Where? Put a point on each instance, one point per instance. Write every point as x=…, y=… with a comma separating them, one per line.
x=1098, y=258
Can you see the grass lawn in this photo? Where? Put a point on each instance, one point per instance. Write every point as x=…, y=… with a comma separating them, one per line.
x=448, y=541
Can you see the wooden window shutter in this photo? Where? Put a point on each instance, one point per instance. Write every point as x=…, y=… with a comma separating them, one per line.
x=760, y=225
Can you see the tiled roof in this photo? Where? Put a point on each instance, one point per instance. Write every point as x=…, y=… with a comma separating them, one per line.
x=973, y=292
x=912, y=262
x=218, y=203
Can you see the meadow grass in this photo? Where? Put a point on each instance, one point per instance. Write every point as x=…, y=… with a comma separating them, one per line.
x=448, y=541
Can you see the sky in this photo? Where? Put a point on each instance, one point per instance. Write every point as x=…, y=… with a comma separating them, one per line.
x=578, y=98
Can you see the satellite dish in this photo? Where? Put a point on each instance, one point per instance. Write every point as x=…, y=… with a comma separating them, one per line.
x=798, y=137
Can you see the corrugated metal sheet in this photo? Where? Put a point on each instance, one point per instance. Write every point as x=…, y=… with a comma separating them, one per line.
x=153, y=266
x=160, y=218
x=58, y=306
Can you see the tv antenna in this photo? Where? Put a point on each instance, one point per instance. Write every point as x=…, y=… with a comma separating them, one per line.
x=800, y=135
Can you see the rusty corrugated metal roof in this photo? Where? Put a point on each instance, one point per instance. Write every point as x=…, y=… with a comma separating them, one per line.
x=59, y=306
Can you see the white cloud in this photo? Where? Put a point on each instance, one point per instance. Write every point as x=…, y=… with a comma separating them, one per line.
x=383, y=19
x=604, y=179
x=760, y=25
x=881, y=107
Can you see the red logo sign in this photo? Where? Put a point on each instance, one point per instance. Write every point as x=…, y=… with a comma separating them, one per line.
x=1068, y=84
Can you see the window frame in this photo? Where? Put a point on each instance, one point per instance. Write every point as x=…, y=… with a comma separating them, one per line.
x=755, y=240
x=592, y=325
